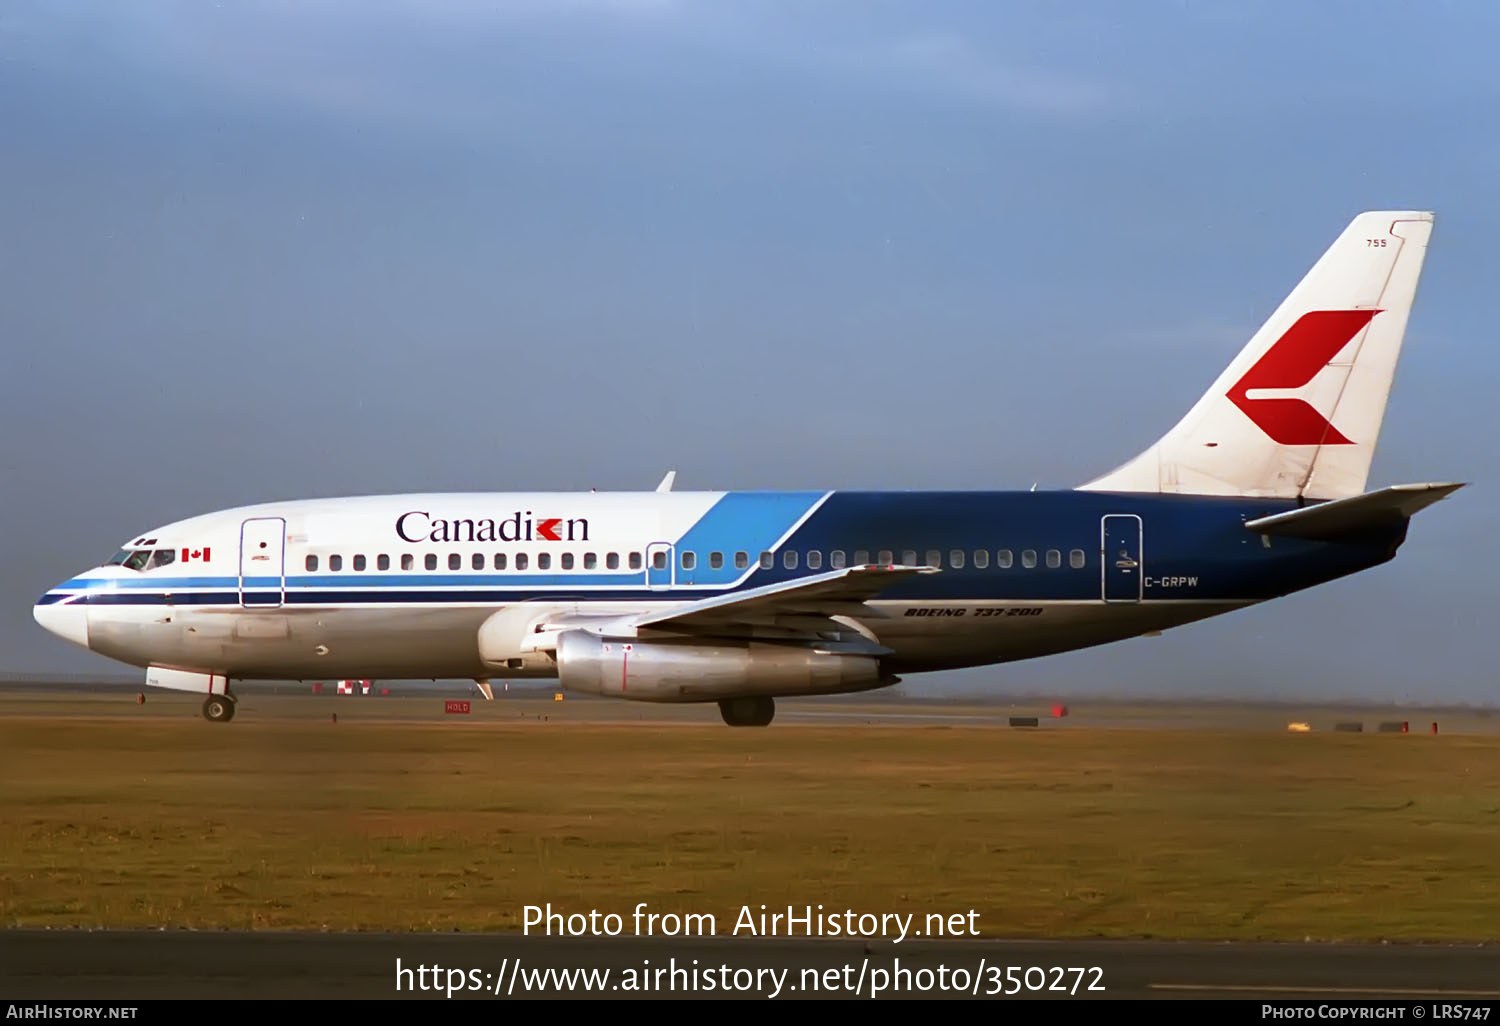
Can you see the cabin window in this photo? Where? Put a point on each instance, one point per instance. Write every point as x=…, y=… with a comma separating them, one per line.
x=1028, y=558
x=885, y=557
x=689, y=559
x=590, y=561
x=815, y=560
x=767, y=560
x=544, y=561
x=612, y=561
x=1076, y=559
x=430, y=562
x=311, y=563
x=521, y=561
x=934, y=558
x=908, y=557
x=406, y=561
x=382, y=562
x=1054, y=559
x=359, y=563
x=789, y=559
x=455, y=561
x=716, y=560
x=476, y=561
x=741, y=560
x=335, y=563
x=498, y=561
x=635, y=561
x=836, y=559
x=956, y=559
x=981, y=558
x=658, y=560
x=1003, y=559
x=567, y=560
x=861, y=557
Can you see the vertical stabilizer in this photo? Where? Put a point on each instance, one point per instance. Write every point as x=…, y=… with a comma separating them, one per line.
x=1299, y=410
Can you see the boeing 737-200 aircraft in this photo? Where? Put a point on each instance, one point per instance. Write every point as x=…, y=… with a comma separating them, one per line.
x=740, y=597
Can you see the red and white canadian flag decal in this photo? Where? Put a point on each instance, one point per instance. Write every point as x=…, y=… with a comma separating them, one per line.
x=188, y=555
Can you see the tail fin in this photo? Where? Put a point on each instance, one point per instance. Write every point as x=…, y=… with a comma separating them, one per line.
x=1298, y=411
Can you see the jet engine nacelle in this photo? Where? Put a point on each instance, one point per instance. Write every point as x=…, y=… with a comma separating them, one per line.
x=513, y=642
x=702, y=670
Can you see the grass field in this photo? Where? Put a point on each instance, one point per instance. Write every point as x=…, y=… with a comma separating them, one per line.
x=369, y=825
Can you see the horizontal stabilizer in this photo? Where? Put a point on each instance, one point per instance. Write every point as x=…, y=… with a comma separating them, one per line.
x=1340, y=518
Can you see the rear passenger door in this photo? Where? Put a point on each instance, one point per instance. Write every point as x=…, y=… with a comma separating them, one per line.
x=1122, y=562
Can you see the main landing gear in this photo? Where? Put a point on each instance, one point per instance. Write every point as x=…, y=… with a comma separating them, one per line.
x=748, y=711
x=218, y=708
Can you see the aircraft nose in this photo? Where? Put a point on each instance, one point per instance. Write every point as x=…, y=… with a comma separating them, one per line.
x=68, y=620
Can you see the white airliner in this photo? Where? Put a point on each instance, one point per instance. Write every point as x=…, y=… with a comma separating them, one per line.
x=740, y=597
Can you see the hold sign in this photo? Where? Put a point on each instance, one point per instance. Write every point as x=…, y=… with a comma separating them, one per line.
x=455, y=707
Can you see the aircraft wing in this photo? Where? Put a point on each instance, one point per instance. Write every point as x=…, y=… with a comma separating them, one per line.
x=823, y=596
x=1329, y=521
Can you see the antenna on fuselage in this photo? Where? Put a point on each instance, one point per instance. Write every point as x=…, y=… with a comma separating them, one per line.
x=667, y=482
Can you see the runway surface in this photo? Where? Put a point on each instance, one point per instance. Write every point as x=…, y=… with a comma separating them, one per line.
x=265, y=704
x=42, y=964
x=74, y=964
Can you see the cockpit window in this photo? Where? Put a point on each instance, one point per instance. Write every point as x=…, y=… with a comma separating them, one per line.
x=142, y=559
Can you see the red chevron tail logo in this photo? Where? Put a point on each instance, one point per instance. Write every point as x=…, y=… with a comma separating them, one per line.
x=1293, y=361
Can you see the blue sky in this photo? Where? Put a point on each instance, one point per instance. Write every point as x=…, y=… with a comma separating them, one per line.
x=274, y=250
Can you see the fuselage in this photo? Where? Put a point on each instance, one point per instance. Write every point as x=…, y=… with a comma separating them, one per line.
x=399, y=586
